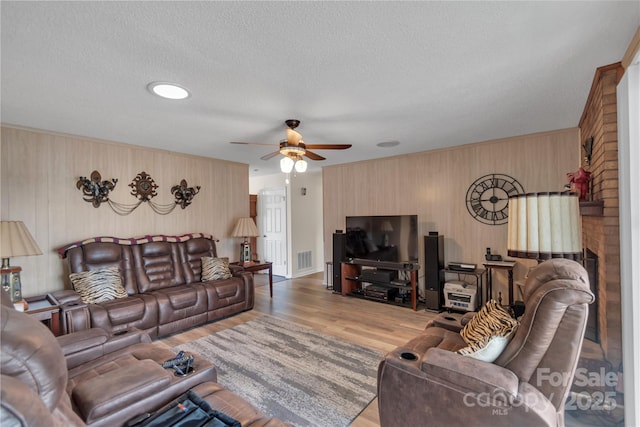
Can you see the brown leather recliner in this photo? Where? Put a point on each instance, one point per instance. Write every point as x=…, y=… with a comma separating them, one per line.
x=526, y=386
x=94, y=378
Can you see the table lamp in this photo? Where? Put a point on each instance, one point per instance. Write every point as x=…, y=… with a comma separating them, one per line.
x=15, y=240
x=245, y=227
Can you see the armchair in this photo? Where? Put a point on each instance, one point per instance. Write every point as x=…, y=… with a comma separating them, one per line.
x=425, y=382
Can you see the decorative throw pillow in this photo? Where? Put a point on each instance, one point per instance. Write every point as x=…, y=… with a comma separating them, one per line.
x=215, y=268
x=104, y=284
x=488, y=332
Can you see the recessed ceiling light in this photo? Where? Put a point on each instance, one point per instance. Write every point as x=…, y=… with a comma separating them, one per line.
x=388, y=144
x=168, y=90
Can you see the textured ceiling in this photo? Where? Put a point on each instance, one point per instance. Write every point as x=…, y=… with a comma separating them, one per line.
x=426, y=74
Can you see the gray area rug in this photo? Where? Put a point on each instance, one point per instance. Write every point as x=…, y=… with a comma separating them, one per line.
x=293, y=373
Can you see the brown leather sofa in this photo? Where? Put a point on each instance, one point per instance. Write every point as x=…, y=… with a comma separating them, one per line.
x=95, y=378
x=162, y=277
x=425, y=382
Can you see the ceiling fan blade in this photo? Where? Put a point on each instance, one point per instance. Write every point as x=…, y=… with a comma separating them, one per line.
x=250, y=143
x=313, y=156
x=270, y=155
x=293, y=137
x=328, y=146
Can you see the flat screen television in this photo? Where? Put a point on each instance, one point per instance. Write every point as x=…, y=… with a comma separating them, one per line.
x=382, y=238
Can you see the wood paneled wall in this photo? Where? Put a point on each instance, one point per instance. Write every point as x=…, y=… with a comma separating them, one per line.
x=433, y=185
x=39, y=171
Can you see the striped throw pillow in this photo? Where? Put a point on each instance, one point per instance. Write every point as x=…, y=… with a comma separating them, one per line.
x=215, y=268
x=488, y=332
x=101, y=285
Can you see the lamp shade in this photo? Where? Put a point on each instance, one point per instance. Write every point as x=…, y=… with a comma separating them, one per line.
x=544, y=226
x=245, y=227
x=386, y=226
x=15, y=240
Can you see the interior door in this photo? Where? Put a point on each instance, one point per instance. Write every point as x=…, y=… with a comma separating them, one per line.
x=273, y=220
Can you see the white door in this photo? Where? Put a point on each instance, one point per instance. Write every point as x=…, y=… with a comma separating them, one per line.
x=273, y=218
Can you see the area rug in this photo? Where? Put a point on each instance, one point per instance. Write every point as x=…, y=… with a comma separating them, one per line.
x=293, y=373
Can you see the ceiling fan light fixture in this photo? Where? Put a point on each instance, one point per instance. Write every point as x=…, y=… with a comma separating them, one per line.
x=301, y=166
x=292, y=151
x=168, y=90
x=286, y=164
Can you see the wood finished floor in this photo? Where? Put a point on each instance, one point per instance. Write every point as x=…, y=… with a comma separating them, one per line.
x=308, y=303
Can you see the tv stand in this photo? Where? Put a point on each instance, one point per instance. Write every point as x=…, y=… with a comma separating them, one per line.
x=352, y=281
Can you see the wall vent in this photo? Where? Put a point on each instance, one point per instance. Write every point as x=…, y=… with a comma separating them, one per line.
x=304, y=260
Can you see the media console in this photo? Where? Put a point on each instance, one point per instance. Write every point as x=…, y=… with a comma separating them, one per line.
x=382, y=282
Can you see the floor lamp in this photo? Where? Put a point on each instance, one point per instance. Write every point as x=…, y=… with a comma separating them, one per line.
x=245, y=227
x=545, y=225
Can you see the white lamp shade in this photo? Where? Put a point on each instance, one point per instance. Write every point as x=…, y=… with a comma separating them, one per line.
x=544, y=225
x=245, y=227
x=301, y=166
x=386, y=226
x=286, y=164
x=15, y=240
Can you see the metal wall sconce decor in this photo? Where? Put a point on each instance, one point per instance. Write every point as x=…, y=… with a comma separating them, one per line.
x=183, y=194
x=94, y=190
x=143, y=187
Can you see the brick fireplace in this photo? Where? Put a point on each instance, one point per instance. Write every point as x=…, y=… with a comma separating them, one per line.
x=600, y=220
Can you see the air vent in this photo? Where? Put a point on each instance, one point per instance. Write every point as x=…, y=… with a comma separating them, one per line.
x=304, y=260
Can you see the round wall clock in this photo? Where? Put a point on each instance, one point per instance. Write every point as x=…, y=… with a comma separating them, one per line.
x=488, y=197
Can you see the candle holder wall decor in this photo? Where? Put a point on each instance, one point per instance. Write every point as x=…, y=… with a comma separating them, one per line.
x=143, y=187
x=184, y=194
x=94, y=190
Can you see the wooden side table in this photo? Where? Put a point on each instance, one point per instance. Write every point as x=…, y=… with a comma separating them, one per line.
x=253, y=266
x=500, y=265
x=46, y=309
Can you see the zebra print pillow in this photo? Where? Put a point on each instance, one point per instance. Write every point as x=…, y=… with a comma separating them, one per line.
x=101, y=285
x=215, y=268
x=488, y=332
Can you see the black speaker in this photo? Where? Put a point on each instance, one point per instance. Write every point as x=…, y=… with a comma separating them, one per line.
x=339, y=255
x=433, y=274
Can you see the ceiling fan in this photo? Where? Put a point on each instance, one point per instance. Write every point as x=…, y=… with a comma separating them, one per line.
x=293, y=148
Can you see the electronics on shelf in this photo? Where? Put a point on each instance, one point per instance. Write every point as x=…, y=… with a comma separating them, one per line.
x=459, y=295
x=383, y=293
x=461, y=266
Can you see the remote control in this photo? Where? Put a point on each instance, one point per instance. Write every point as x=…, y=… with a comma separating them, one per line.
x=172, y=363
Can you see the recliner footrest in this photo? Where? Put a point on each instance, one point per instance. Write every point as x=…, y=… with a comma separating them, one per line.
x=119, y=388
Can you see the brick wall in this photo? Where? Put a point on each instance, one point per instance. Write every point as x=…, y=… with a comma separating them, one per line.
x=601, y=233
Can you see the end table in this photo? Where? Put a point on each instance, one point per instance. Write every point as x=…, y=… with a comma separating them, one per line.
x=254, y=266
x=46, y=309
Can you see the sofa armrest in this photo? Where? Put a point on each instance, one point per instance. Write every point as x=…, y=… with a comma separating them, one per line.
x=67, y=296
x=235, y=269
x=463, y=371
x=247, y=279
x=84, y=346
x=460, y=391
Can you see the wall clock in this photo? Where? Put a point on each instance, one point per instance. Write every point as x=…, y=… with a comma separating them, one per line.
x=488, y=197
